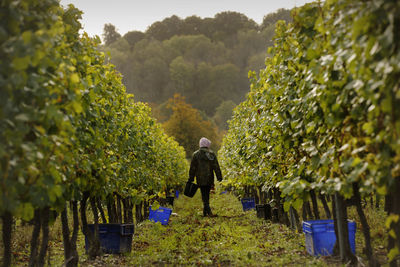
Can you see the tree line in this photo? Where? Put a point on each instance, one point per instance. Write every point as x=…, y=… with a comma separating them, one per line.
x=206, y=60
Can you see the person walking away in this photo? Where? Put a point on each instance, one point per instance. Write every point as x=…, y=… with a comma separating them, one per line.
x=203, y=166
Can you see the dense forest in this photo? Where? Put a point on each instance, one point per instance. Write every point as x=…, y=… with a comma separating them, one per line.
x=206, y=60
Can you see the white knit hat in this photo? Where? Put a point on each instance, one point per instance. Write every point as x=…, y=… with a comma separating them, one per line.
x=204, y=142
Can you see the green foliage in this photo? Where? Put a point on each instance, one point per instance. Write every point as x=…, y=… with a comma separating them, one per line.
x=67, y=124
x=205, y=60
x=39, y=89
x=323, y=114
x=233, y=238
x=133, y=37
x=272, y=18
x=110, y=34
x=223, y=114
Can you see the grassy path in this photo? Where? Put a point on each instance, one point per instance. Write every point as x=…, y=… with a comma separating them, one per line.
x=234, y=238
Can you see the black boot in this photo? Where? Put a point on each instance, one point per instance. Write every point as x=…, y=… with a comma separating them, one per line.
x=206, y=210
x=210, y=214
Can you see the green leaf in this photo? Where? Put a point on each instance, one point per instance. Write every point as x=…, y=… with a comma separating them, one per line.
x=310, y=127
x=355, y=162
x=315, y=162
x=386, y=104
x=39, y=54
x=21, y=63
x=298, y=203
x=25, y=211
x=40, y=129
x=74, y=78
x=390, y=219
x=77, y=106
x=392, y=233
x=360, y=26
x=155, y=206
x=382, y=190
x=393, y=253
x=27, y=36
x=368, y=127
x=286, y=206
x=54, y=192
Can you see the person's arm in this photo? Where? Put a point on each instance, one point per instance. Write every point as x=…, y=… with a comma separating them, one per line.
x=193, y=169
x=217, y=170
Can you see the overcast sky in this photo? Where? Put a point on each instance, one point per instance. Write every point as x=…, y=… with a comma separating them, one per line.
x=129, y=15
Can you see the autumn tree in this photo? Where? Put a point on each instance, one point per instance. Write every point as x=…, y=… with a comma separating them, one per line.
x=187, y=125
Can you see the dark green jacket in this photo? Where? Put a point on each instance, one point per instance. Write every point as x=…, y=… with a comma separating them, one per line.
x=203, y=166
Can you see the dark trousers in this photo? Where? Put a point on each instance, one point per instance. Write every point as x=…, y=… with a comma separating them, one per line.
x=205, y=196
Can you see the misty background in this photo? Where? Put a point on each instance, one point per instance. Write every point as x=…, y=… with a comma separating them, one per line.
x=191, y=70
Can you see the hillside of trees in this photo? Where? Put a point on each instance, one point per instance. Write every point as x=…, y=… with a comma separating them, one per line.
x=206, y=60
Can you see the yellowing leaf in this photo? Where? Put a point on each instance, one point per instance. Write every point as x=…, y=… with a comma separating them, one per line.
x=368, y=127
x=286, y=206
x=356, y=161
x=40, y=129
x=392, y=233
x=87, y=59
x=391, y=218
x=155, y=206
x=381, y=190
x=74, y=78
x=393, y=253
x=298, y=203
x=77, y=106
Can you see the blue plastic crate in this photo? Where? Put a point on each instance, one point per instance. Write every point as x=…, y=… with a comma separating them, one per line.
x=248, y=203
x=320, y=236
x=114, y=238
x=161, y=214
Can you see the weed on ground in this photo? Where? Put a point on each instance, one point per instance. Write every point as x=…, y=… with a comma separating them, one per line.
x=233, y=238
